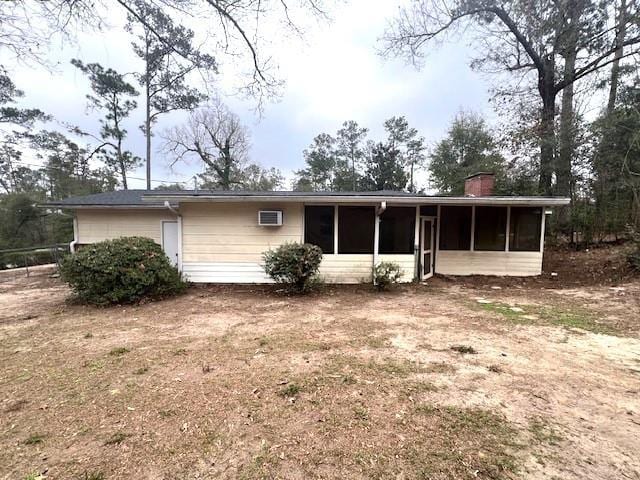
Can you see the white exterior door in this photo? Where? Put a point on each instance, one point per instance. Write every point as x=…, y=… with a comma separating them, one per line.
x=426, y=247
x=170, y=241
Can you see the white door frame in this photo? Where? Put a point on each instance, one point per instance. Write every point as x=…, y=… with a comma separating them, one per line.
x=427, y=248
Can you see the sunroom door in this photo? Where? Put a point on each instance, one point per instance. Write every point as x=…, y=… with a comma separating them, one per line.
x=426, y=247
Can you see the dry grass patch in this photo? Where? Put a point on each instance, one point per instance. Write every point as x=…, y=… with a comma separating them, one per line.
x=243, y=383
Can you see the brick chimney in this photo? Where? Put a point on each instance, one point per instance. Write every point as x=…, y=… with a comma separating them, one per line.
x=479, y=184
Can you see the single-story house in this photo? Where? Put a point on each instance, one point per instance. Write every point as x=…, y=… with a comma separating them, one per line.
x=220, y=236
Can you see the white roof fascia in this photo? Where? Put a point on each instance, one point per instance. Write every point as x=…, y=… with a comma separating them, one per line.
x=518, y=201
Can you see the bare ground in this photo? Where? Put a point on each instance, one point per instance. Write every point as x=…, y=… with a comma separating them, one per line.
x=245, y=382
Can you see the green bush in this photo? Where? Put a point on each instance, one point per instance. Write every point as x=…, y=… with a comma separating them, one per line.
x=386, y=274
x=293, y=264
x=124, y=270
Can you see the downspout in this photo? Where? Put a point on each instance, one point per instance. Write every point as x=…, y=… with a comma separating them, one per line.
x=74, y=242
x=170, y=208
x=376, y=236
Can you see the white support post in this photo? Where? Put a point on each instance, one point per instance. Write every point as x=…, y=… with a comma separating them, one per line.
x=376, y=239
x=473, y=227
x=542, y=229
x=335, y=229
x=180, y=243
x=416, y=245
x=437, y=240
x=304, y=209
x=506, y=240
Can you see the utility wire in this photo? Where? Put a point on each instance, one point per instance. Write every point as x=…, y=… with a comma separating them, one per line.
x=46, y=167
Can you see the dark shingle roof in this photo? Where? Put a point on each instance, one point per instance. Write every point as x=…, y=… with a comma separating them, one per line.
x=134, y=198
x=117, y=198
x=156, y=198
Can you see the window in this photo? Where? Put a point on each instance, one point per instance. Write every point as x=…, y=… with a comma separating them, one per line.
x=318, y=227
x=397, y=229
x=455, y=228
x=525, y=229
x=355, y=229
x=490, y=229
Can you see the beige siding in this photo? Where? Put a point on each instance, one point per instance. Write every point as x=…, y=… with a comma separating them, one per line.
x=359, y=268
x=97, y=225
x=229, y=232
x=489, y=263
x=407, y=265
x=346, y=268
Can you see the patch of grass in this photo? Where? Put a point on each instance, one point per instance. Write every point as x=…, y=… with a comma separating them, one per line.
x=543, y=432
x=94, y=365
x=118, y=351
x=439, y=367
x=349, y=379
x=416, y=388
x=180, y=351
x=371, y=341
x=464, y=349
x=261, y=466
x=347, y=368
x=88, y=335
x=505, y=311
x=93, y=476
x=567, y=318
x=117, y=438
x=34, y=439
x=575, y=319
x=166, y=413
x=291, y=390
x=142, y=370
x=495, y=368
x=397, y=367
x=361, y=413
x=34, y=476
x=263, y=341
x=463, y=440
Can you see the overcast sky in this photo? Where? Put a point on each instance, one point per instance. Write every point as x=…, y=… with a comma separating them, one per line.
x=333, y=75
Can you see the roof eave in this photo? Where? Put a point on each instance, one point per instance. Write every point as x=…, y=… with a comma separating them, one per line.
x=531, y=201
x=67, y=206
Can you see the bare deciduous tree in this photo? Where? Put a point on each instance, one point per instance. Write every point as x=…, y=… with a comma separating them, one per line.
x=215, y=136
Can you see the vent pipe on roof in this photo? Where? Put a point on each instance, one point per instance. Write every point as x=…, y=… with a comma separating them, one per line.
x=479, y=184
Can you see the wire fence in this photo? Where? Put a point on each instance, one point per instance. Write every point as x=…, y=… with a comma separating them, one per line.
x=32, y=256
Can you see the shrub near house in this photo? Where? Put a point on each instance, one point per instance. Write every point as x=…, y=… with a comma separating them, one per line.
x=294, y=265
x=124, y=270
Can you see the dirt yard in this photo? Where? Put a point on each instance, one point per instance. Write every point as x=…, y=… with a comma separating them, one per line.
x=453, y=379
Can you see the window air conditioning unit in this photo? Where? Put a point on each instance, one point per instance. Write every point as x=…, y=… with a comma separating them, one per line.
x=270, y=218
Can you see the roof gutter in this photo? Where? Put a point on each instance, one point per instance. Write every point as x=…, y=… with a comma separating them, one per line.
x=70, y=206
x=364, y=199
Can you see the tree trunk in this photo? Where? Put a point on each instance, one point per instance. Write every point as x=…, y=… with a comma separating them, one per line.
x=147, y=121
x=123, y=167
x=615, y=66
x=567, y=130
x=548, y=94
x=603, y=179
